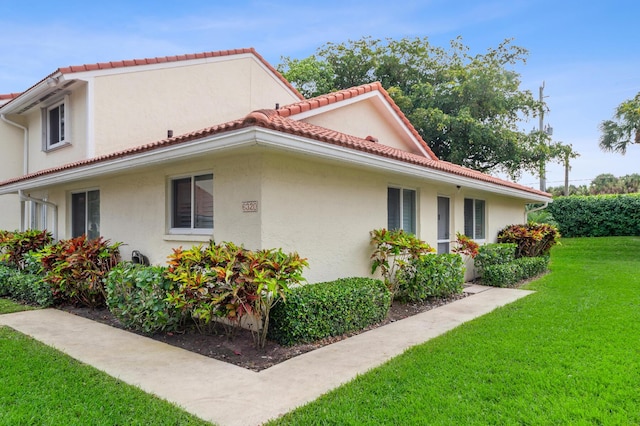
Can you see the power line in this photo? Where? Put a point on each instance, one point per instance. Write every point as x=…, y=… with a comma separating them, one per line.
x=560, y=181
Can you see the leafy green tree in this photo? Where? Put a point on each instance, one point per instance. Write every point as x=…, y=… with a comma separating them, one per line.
x=559, y=191
x=605, y=183
x=618, y=134
x=467, y=107
x=630, y=183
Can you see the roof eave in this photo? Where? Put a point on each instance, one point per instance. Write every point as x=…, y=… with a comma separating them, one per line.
x=256, y=135
x=47, y=85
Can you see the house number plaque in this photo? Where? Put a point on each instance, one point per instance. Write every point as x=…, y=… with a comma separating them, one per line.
x=249, y=206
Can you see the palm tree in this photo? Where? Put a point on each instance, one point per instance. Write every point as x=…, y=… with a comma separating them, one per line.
x=617, y=135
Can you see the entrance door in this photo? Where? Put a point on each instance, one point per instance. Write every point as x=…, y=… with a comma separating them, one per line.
x=443, y=225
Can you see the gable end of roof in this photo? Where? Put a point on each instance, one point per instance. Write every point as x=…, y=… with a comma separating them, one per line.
x=351, y=93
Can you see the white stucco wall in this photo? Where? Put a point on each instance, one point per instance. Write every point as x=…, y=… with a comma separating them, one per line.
x=364, y=119
x=323, y=210
x=76, y=124
x=139, y=105
x=11, y=146
x=134, y=207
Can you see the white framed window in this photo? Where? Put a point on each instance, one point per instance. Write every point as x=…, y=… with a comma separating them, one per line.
x=38, y=219
x=474, y=218
x=55, y=124
x=191, y=205
x=85, y=214
x=401, y=209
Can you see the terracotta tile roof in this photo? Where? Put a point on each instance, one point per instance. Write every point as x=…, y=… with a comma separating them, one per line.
x=272, y=119
x=331, y=98
x=164, y=59
x=9, y=96
x=177, y=58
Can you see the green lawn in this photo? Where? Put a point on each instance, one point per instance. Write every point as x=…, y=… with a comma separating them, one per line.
x=569, y=354
x=41, y=386
x=8, y=306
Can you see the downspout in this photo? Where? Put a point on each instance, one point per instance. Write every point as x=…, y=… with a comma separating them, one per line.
x=526, y=213
x=25, y=162
x=54, y=232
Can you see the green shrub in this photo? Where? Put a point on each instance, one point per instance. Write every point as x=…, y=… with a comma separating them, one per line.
x=137, y=296
x=30, y=288
x=436, y=275
x=500, y=274
x=597, y=215
x=76, y=269
x=316, y=311
x=508, y=274
x=228, y=281
x=393, y=251
x=494, y=254
x=6, y=272
x=532, y=239
x=532, y=266
x=542, y=216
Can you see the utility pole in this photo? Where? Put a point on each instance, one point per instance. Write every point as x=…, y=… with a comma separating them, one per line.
x=566, y=173
x=543, y=172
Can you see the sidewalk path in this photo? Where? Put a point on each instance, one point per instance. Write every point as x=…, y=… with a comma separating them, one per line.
x=230, y=395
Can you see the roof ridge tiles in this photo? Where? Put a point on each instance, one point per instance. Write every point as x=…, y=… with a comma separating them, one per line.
x=70, y=69
x=156, y=60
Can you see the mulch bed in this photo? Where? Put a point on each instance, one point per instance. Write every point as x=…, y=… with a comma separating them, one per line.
x=240, y=350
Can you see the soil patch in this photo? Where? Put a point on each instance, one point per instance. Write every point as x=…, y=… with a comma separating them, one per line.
x=240, y=350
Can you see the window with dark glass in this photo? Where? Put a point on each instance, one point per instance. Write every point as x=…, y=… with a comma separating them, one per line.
x=401, y=209
x=85, y=214
x=55, y=125
x=474, y=218
x=192, y=202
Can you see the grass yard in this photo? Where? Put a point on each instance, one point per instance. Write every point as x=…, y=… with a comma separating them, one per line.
x=41, y=386
x=569, y=354
x=8, y=306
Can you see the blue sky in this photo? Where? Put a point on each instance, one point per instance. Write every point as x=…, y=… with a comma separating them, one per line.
x=587, y=53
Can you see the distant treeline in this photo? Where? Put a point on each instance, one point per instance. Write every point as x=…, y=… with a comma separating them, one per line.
x=602, y=184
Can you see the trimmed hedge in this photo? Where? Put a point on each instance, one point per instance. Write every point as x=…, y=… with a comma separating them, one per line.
x=495, y=254
x=508, y=274
x=597, y=215
x=24, y=286
x=30, y=288
x=499, y=267
x=315, y=311
x=5, y=273
x=137, y=296
x=433, y=275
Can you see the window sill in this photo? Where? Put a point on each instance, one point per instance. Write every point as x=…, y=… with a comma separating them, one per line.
x=57, y=146
x=201, y=238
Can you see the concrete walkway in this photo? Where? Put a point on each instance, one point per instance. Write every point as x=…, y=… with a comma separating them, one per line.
x=230, y=395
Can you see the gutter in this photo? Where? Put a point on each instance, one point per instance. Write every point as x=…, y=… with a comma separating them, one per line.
x=526, y=214
x=46, y=203
x=25, y=159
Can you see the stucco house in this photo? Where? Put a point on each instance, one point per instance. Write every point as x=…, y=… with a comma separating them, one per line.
x=175, y=151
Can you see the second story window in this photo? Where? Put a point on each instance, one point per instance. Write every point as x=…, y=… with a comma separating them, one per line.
x=55, y=124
